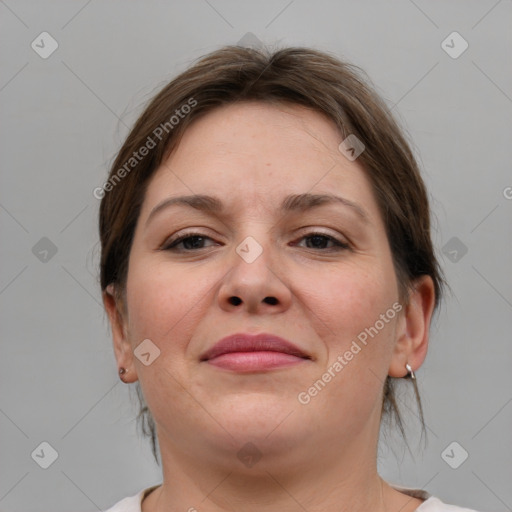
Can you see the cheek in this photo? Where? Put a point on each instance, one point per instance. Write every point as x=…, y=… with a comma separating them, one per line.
x=348, y=305
x=349, y=299
x=165, y=304
x=356, y=319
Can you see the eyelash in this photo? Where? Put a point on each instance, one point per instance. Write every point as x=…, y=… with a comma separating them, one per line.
x=338, y=244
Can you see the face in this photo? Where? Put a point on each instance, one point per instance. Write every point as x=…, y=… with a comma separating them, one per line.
x=318, y=273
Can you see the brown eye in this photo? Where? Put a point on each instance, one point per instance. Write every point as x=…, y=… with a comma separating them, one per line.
x=320, y=241
x=188, y=242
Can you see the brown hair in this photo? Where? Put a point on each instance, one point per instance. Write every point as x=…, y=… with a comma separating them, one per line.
x=301, y=76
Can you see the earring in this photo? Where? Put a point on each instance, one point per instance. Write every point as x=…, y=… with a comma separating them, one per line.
x=122, y=371
x=410, y=370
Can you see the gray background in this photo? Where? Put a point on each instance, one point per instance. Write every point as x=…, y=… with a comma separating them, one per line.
x=65, y=116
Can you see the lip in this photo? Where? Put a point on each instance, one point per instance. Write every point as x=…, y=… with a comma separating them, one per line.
x=247, y=352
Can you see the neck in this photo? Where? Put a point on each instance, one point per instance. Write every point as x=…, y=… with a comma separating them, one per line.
x=342, y=479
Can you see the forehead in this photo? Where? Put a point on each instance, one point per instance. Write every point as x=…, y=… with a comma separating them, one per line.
x=255, y=153
x=286, y=132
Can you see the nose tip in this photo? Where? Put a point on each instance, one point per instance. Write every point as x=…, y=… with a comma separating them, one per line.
x=253, y=285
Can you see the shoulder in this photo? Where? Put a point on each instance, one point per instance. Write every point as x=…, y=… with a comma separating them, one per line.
x=433, y=504
x=131, y=503
x=430, y=503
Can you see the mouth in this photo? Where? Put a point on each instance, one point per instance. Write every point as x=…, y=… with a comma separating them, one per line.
x=252, y=353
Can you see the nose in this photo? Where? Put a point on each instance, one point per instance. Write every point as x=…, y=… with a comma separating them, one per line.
x=254, y=286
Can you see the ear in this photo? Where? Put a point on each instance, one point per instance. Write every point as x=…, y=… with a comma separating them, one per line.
x=413, y=328
x=122, y=347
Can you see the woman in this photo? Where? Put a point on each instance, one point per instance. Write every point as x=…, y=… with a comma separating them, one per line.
x=269, y=276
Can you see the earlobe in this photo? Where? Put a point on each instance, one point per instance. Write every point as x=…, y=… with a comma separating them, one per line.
x=121, y=343
x=414, y=326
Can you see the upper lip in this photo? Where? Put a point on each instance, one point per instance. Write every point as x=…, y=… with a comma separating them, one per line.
x=242, y=342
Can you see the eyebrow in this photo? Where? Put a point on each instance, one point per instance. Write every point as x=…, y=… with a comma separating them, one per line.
x=292, y=203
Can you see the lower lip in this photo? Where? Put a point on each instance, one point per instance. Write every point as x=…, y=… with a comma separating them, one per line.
x=255, y=361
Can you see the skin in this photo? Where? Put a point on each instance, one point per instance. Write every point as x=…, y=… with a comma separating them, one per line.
x=320, y=456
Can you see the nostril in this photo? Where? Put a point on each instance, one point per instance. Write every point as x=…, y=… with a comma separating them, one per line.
x=235, y=301
x=271, y=300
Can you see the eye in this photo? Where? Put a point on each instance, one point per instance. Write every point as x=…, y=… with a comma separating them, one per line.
x=188, y=242
x=320, y=241
x=191, y=242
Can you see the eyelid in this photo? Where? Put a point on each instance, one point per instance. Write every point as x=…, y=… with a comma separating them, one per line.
x=340, y=243
x=175, y=238
x=313, y=230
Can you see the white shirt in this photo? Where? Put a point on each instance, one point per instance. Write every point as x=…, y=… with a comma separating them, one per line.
x=431, y=503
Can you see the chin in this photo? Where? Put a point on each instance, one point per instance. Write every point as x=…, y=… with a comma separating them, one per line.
x=266, y=422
